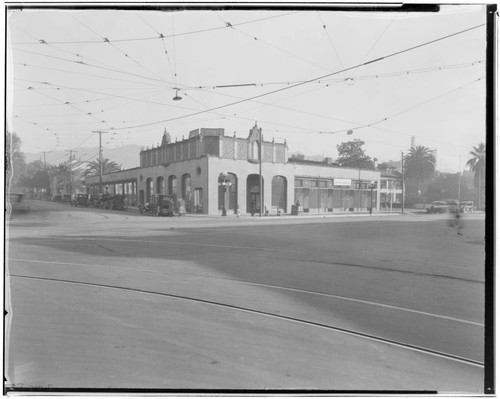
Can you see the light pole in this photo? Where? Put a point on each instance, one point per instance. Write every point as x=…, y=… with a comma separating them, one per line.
x=372, y=186
x=402, y=183
x=100, y=158
x=359, y=188
x=224, y=182
x=459, y=174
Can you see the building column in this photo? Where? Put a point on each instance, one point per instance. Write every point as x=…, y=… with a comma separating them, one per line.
x=221, y=145
x=235, y=147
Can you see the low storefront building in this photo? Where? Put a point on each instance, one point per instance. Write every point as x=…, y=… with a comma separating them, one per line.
x=214, y=174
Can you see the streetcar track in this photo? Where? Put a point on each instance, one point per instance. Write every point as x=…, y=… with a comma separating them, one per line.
x=284, y=288
x=406, y=346
x=275, y=249
x=387, y=269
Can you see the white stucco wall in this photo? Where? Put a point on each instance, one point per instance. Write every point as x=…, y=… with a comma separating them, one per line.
x=242, y=169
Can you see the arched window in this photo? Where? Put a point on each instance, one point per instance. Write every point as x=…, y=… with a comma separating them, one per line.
x=255, y=150
x=160, y=185
x=172, y=185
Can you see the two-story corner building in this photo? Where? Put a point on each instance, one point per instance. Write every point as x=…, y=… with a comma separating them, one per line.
x=391, y=192
x=211, y=171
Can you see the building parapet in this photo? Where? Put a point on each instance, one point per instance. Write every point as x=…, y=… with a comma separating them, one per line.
x=213, y=142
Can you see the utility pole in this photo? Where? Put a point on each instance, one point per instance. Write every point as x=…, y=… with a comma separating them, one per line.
x=260, y=173
x=69, y=165
x=359, y=188
x=459, y=174
x=100, y=158
x=402, y=183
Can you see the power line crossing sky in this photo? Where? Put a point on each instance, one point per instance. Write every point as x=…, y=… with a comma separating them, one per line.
x=304, y=76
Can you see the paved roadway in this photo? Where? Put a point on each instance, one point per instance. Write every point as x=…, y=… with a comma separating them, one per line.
x=108, y=299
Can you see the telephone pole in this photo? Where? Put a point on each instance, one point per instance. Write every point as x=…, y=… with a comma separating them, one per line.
x=402, y=183
x=260, y=173
x=459, y=174
x=70, y=183
x=100, y=158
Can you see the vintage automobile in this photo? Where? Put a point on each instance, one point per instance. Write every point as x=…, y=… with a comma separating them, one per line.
x=102, y=200
x=467, y=206
x=444, y=206
x=16, y=203
x=80, y=200
x=93, y=201
x=114, y=202
x=438, y=207
x=159, y=205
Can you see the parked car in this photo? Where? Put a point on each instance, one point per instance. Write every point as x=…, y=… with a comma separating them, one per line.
x=93, y=201
x=467, y=206
x=16, y=203
x=439, y=207
x=159, y=205
x=80, y=200
x=444, y=206
x=114, y=202
x=102, y=200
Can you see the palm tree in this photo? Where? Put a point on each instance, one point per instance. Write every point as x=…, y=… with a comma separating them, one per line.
x=107, y=167
x=420, y=164
x=477, y=164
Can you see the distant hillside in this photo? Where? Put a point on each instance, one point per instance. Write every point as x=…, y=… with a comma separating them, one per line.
x=126, y=156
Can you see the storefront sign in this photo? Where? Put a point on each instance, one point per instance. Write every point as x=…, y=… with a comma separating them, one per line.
x=341, y=182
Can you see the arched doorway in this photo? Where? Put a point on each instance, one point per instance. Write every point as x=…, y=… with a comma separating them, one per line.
x=253, y=192
x=278, y=195
x=186, y=191
x=160, y=185
x=228, y=191
x=149, y=189
x=172, y=185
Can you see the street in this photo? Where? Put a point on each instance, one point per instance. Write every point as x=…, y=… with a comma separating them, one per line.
x=110, y=299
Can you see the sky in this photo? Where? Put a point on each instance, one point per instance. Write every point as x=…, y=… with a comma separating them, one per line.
x=304, y=76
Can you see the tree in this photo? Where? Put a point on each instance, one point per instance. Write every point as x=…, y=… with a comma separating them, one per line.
x=352, y=155
x=477, y=164
x=15, y=163
x=107, y=167
x=35, y=177
x=419, y=164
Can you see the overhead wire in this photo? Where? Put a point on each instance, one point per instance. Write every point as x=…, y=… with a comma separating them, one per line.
x=72, y=106
x=390, y=55
x=330, y=39
x=156, y=37
x=107, y=96
x=95, y=66
x=160, y=35
x=359, y=77
x=175, y=52
x=84, y=74
x=413, y=107
x=255, y=38
x=106, y=40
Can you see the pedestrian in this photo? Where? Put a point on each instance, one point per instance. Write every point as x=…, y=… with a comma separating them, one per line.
x=456, y=220
x=252, y=208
